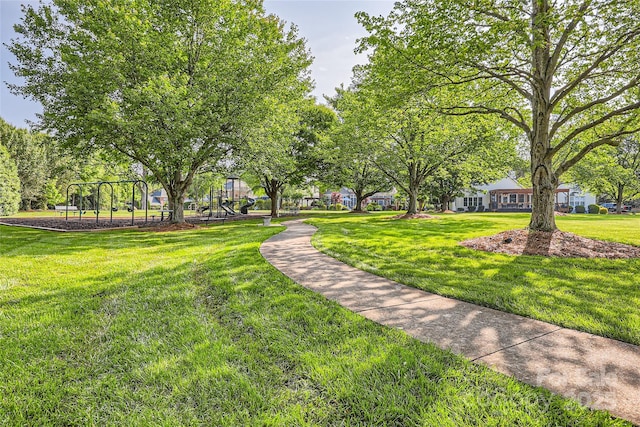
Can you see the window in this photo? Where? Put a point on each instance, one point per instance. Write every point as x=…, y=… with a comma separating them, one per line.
x=520, y=198
x=472, y=201
x=513, y=198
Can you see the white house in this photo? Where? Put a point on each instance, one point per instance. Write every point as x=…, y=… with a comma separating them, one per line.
x=507, y=195
x=348, y=197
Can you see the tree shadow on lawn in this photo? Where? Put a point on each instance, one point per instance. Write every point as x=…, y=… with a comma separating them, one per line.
x=520, y=287
x=576, y=293
x=122, y=344
x=368, y=374
x=397, y=229
x=16, y=241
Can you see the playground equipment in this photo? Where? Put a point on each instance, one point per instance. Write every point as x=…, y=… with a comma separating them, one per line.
x=226, y=203
x=226, y=206
x=112, y=209
x=244, y=209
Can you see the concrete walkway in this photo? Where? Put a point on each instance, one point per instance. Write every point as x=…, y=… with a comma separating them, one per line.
x=598, y=372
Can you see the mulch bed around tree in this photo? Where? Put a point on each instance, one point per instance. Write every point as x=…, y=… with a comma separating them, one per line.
x=70, y=225
x=557, y=243
x=414, y=216
x=89, y=224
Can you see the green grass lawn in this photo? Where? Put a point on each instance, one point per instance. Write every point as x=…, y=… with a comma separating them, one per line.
x=137, y=328
x=595, y=295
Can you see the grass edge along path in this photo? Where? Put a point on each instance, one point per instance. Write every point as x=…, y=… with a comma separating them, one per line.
x=195, y=327
x=598, y=296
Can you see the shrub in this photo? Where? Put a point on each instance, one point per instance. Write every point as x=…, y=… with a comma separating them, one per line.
x=318, y=204
x=338, y=207
x=373, y=206
x=263, y=204
x=603, y=210
x=580, y=209
x=594, y=209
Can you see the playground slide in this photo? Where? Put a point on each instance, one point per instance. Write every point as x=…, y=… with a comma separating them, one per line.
x=245, y=208
x=226, y=206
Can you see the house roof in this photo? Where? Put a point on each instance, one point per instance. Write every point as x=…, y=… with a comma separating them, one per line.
x=523, y=190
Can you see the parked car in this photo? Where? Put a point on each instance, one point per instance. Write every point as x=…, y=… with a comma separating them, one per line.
x=613, y=207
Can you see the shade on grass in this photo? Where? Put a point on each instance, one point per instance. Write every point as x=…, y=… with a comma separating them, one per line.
x=194, y=327
x=600, y=296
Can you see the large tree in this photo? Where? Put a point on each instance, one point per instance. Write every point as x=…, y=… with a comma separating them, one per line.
x=9, y=184
x=348, y=152
x=31, y=156
x=406, y=137
x=566, y=73
x=173, y=85
x=285, y=151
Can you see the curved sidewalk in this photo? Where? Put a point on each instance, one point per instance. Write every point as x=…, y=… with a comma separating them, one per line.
x=598, y=372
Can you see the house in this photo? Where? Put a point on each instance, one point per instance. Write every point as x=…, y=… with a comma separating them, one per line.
x=344, y=196
x=386, y=199
x=158, y=198
x=348, y=198
x=507, y=195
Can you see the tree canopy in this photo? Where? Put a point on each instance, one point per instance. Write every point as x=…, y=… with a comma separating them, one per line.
x=41, y=164
x=405, y=137
x=173, y=85
x=9, y=184
x=565, y=73
x=350, y=151
x=613, y=173
x=285, y=150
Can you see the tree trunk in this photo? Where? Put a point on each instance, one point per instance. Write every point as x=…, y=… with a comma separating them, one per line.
x=272, y=188
x=414, y=186
x=145, y=198
x=542, y=176
x=446, y=199
x=544, y=191
x=413, y=202
x=176, y=190
x=359, y=199
x=619, y=198
x=176, y=205
x=273, y=196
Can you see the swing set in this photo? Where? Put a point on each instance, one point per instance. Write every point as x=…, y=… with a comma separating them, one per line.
x=96, y=202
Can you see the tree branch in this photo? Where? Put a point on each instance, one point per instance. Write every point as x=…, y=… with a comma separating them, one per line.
x=564, y=91
x=555, y=56
x=557, y=125
x=482, y=109
x=392, y=177
x=608, y=140
x=505, y=78
x=591, y=125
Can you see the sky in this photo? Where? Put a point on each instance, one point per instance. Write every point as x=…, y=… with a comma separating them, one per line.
x=329, y=27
